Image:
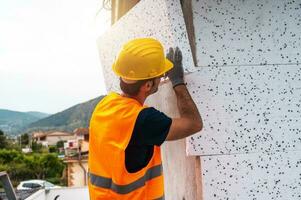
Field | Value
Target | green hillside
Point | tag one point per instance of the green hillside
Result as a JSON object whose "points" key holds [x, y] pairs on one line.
{"points": [[69, 119], [40, 115], [12, 122]]}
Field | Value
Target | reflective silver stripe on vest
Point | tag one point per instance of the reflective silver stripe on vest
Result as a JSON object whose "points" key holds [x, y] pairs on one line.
{"points": [[107, 183]]}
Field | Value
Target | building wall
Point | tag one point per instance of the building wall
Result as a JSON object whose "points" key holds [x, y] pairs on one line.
{"points": [[52, 140], [246, 85], [76, 176], [84, 146], [53, 137]]}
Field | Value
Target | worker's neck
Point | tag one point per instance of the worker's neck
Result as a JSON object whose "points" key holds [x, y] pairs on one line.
{"points": [[140, 97]]}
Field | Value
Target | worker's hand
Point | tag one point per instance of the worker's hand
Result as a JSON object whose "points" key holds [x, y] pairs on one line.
{"points": [[176, 74]]}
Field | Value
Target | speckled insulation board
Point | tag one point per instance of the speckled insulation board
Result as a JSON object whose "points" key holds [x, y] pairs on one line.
{"points": [[250, 147], [160, 19], [249, 32], [247, 109], [268, 176]]}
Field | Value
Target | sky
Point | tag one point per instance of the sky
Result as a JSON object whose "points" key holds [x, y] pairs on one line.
{"points": [[48, 54]]}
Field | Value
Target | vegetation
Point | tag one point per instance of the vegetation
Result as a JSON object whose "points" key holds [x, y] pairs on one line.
{"points": [[37, 165], [60, 144], [31, 166], [24, 140], [3, 142], [38, 148]]}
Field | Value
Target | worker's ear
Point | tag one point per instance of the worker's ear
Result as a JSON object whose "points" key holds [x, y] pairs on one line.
{"points": [[147, 86], [150, 84]]}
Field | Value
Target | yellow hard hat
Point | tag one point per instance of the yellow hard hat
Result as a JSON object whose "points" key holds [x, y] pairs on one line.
{"points": [[141, 59]]}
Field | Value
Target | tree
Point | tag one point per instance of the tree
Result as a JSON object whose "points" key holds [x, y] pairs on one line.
{"points": [[25, 139], [12, 161], [45, 165], [53, 166], [60, 144], [34, 162], [12, 144], [36, 147], [31, 166], [53, 149], [8, 156], [3, 141]]}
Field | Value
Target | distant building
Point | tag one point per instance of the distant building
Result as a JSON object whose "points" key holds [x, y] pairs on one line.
{"points": [[51, 138], [76, 157], [82, 133], [76, 147], [26, 150]]}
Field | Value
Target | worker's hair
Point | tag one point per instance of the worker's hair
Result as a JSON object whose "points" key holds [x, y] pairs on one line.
{"points": [[132, 89]]}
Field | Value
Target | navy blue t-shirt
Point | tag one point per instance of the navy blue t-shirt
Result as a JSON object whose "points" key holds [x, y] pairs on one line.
{"points": [[151, 128]]}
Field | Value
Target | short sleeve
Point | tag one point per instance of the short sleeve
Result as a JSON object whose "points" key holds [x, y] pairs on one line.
{"points": [[151, 127]]}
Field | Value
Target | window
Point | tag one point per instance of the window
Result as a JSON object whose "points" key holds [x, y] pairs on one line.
{"points": [[35, 185], [27, 185], [32, 185], [47, 184]]}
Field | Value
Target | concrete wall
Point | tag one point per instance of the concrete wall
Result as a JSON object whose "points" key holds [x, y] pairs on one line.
{"points": [[247, 86]]}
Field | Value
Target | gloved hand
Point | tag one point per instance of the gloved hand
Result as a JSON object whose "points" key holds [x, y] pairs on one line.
{"points": [[176, 74]]}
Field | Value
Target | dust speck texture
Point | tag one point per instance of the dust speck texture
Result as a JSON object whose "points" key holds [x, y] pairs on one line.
{"points": [[260, 32]]}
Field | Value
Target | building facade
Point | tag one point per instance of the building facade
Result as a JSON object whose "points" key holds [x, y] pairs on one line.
{"points": [[51, 138]]}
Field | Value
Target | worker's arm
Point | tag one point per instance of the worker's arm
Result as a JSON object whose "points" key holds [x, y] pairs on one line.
{"points": [[190, 120]]}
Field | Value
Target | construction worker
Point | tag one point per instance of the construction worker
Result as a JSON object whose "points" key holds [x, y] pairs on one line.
{"points": [[125, 135]]}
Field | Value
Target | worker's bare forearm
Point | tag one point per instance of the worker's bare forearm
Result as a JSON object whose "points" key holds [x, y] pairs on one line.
{"points": [[186, 105]]}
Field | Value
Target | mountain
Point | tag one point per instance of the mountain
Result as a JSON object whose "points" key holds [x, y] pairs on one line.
{"points": [[39, 115], [67, 120], [12, 122]]}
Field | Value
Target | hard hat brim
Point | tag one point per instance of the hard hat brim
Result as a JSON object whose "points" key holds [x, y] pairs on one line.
{"points": [[168, 65]]}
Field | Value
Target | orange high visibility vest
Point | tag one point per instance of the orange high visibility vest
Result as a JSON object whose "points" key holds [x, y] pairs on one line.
{"points": [[111, 128]]}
